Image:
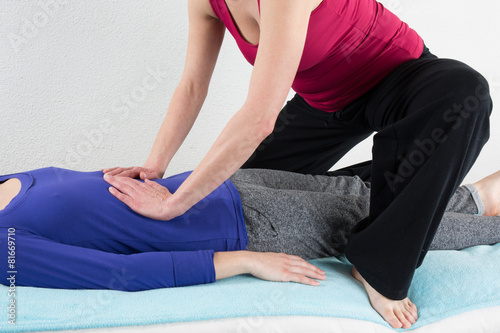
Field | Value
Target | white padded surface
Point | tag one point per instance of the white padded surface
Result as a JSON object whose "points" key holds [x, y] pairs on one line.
{"points": [[486, 320]]}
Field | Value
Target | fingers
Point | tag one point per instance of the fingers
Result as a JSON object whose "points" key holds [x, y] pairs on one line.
{"points": [[109, 169], [112, 171], [136, 189], [122, 197], [310, 270], [303, 279], [303, 272], [131, 172], [147, 199], [149, 174], [158, 187], [127, 190], [117, 171], [125, 185], [302, 266]]}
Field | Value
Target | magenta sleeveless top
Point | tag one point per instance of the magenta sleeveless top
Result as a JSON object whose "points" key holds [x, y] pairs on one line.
{"points": [[351, 45]]}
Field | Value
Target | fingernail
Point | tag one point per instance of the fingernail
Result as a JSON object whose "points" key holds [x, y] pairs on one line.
{"points": [[106, 176]]}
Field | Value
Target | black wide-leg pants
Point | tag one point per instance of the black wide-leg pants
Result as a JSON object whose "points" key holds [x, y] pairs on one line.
{"points": [[431, 116]]}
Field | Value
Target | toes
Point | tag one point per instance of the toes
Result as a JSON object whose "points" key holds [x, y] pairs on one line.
{"points": [[402, 318], [391, 319], [413, 310], [409, 316]]}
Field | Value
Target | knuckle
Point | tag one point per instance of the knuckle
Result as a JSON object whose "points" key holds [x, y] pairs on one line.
{"points": [[285, 272]]}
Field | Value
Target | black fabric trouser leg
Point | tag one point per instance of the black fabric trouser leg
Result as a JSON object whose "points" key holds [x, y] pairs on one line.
{"points": [[309, 141], [432, 119]]}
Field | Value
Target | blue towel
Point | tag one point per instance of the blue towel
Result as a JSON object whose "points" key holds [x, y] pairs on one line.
{"points": [[448, 283]]}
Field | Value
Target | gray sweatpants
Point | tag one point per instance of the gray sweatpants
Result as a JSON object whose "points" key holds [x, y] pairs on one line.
{"points": [[312, 216]]}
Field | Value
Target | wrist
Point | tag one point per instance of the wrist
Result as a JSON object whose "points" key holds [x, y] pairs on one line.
{"points": [[159, 168], [250, 261], [231, 263], [172, 207], [184, 197]]}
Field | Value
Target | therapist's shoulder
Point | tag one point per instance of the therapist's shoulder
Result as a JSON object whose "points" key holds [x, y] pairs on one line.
{"points": [[203, 8]]}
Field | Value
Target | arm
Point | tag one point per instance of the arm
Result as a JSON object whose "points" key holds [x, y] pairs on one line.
{"points": [[267, 266], [48, 264], [45, 263], [283, 29], [205, 39]]}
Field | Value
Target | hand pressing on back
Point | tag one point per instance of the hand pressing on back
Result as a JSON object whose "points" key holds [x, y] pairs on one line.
{"points": [[134, 172], [147, 198]]}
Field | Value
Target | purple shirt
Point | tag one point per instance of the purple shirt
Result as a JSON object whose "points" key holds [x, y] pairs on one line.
{"points": [[70, 232]]}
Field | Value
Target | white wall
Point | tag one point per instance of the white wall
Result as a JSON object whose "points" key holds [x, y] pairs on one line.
{"points": [[77, 89]]}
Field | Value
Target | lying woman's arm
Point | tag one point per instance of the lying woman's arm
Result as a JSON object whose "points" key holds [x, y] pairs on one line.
{"points": [[267, 266], [43, 262]]}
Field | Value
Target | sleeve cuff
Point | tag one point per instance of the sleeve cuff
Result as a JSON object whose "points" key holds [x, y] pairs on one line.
{"points": [[193, 267]]}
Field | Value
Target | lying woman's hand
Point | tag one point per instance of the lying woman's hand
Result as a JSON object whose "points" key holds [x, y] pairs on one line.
{"points": [[283, 267], [267, 266], [134, 172], [147, 198]]}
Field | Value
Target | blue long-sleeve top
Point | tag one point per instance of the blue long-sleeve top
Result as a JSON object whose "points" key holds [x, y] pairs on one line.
{"points": [[70, 232]]}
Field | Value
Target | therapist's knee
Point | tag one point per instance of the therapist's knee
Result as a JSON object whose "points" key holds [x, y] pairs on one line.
{"points": [[473, 107]]}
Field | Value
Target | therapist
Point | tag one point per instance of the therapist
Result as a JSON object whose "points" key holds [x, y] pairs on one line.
{"points": [[356, 69]]}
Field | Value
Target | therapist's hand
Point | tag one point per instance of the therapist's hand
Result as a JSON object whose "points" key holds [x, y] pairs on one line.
{"points": [[134, 172], [149, 199]]}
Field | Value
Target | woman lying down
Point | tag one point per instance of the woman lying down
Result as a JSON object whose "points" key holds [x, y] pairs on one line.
{"points": [[71, 232]]}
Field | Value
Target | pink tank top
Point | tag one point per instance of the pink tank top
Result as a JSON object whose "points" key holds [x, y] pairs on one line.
{"points": [[351, 45]]}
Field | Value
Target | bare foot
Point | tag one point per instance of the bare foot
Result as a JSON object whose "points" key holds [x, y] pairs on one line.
{"points": [[489, 190], [398, 314]]}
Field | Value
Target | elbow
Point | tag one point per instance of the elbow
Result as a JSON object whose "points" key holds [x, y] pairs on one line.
{"points": [[264, 128], [261, 117], [259, 126]]}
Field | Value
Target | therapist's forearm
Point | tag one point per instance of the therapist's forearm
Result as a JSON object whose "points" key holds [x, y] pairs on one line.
{"points": [[237, 142], [183, 110]]}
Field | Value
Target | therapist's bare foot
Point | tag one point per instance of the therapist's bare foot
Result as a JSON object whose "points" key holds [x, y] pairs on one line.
{"points": [[399, 314], [489, 190]]}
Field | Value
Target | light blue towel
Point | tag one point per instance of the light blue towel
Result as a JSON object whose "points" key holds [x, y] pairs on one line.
{"points": [[448, 283]]}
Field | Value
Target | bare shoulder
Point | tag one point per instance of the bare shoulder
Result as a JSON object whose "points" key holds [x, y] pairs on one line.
{"points": [[8, 191], [202, 8]]}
